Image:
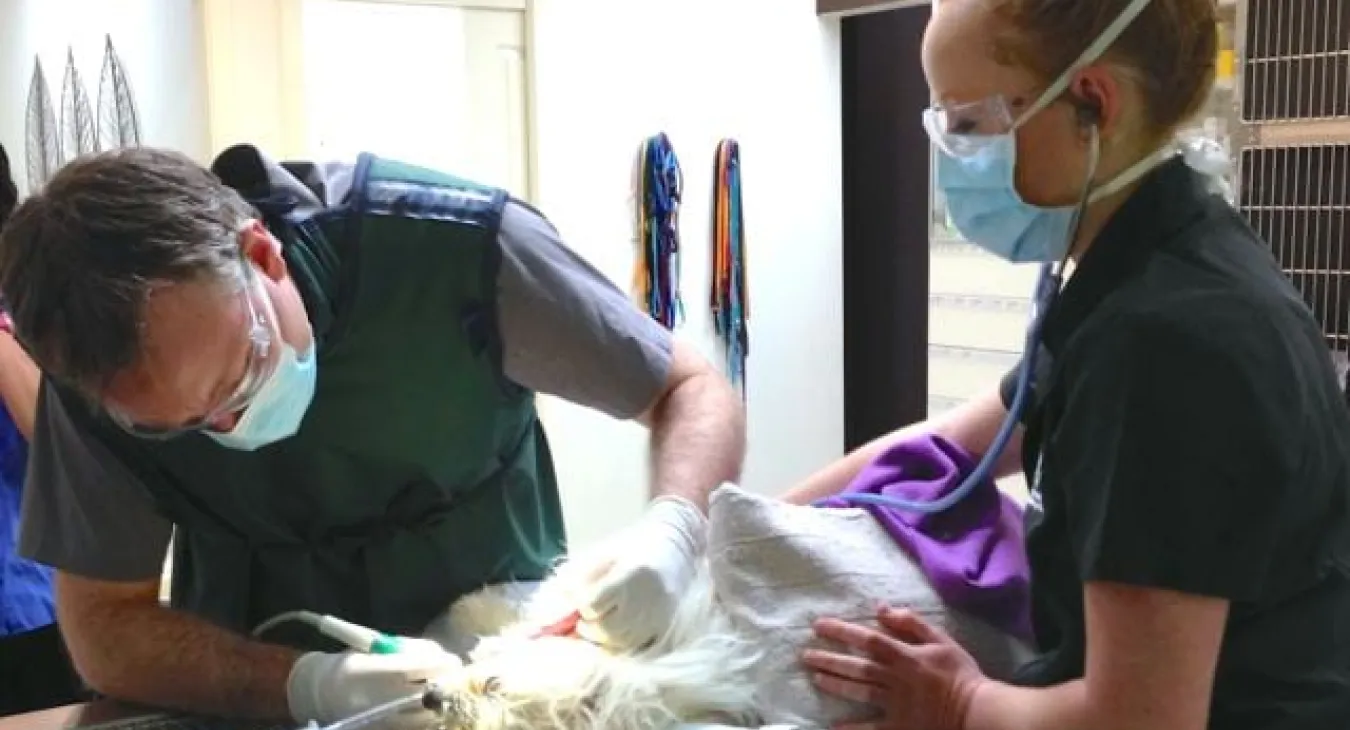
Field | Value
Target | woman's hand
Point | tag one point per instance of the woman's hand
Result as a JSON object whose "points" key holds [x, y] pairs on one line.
{"points": [[916, 675]]}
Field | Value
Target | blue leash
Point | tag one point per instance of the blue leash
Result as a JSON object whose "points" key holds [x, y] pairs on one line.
{"points": [[662, 186], [730, 296]]}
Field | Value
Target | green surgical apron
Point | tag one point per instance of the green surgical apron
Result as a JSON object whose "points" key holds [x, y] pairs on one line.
{"points": [[419, 473]]}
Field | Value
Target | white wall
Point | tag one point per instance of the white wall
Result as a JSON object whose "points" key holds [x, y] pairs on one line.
{"points": [[159, 42], [469, 118], [609, 73]]}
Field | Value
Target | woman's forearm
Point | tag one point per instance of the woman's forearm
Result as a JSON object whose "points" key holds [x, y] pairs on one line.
{"points": [[832, 479], [1069, 706], [19, 380], [972, 426], [999, 706]]}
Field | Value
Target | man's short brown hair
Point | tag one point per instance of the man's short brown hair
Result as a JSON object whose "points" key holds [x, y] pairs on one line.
{"points": [[79, 258]]}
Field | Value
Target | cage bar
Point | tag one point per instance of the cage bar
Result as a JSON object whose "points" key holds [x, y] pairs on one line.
{"points": [[1294, 158]]}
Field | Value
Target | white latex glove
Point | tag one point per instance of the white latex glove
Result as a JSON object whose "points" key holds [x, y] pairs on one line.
{"points": [[636, 585], [326, 687]]}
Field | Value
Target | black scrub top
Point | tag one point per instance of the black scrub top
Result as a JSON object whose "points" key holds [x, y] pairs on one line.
{"points": [[1188, 432]]}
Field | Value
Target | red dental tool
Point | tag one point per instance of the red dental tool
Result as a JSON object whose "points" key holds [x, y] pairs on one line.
{"points": [[565, 626]]}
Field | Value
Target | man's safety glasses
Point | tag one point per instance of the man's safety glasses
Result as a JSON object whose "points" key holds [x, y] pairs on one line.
{"points": [[257, 368]]}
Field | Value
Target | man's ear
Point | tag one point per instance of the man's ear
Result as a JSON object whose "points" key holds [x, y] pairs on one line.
{"points": [[263, 250]]}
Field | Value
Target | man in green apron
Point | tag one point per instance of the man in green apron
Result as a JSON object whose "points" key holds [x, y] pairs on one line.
{"points": [[322, 379]]}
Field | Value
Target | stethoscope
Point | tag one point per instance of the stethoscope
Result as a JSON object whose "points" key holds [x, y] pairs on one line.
{"points": [[1046, 293]]}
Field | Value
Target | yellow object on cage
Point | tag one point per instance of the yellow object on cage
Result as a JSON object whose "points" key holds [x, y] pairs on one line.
{"points": [[1226, 65]]}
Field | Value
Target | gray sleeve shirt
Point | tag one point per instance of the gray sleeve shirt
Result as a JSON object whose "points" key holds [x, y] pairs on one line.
{"points": [[566, 330]]}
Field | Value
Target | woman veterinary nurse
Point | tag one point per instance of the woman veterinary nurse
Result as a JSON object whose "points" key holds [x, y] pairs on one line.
{"points": [[1187, 442]]}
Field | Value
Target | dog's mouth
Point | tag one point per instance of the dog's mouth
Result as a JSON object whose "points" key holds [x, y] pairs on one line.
{"points": [[565, 627]]}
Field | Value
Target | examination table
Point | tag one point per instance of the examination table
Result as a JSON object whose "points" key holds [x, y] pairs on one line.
{"points": [[110, 715]]}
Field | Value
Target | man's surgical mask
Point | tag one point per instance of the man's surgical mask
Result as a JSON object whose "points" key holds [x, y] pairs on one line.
{"points": [[279, 403], [977, 146], [279, 407]]}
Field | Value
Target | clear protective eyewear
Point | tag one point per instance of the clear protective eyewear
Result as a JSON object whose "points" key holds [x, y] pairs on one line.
{"points": [[963, 130], [257, 368]]}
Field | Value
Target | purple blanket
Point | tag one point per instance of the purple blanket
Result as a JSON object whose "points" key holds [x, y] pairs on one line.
{"points": [[973, 553]]}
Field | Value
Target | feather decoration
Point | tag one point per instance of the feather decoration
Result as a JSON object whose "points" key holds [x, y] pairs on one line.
{"points": [[79, 131], [43, 143], [119, 125]]}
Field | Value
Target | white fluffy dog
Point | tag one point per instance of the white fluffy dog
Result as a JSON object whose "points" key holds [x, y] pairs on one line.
{"points": [[697, 672], [730, 657]]}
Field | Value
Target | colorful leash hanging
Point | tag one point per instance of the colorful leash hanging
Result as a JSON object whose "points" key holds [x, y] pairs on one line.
{"points": [[730, 296], [657, 270]]}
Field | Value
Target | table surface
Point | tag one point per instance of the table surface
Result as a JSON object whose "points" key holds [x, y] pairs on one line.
{"points": [[72, 716], [109, 715]]}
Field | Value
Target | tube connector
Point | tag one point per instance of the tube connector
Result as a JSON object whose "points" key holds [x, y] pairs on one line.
{"points": [[358, 637]]}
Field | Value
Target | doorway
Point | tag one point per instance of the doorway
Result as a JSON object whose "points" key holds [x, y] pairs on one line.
{"points": [[886, 173]]}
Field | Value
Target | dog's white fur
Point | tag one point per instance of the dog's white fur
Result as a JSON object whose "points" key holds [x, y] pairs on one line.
{"points": [[697, 672], [729, 657]]}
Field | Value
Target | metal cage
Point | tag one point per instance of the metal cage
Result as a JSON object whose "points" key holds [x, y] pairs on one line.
{"points": [[1293, 138]]}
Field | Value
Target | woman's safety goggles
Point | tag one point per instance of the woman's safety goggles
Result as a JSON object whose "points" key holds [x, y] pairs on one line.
{"points": [[963, 130]]}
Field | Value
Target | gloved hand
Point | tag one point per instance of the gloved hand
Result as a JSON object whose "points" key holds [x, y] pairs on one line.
{"points": [[636, 583], [326, 687]]}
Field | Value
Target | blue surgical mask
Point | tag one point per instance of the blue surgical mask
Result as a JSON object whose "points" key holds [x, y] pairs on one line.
{"points": [[276, 412], [979, 184], [987, 211]]}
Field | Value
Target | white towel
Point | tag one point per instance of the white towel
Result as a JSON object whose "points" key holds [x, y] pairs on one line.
{"points": [[777, 567]]}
